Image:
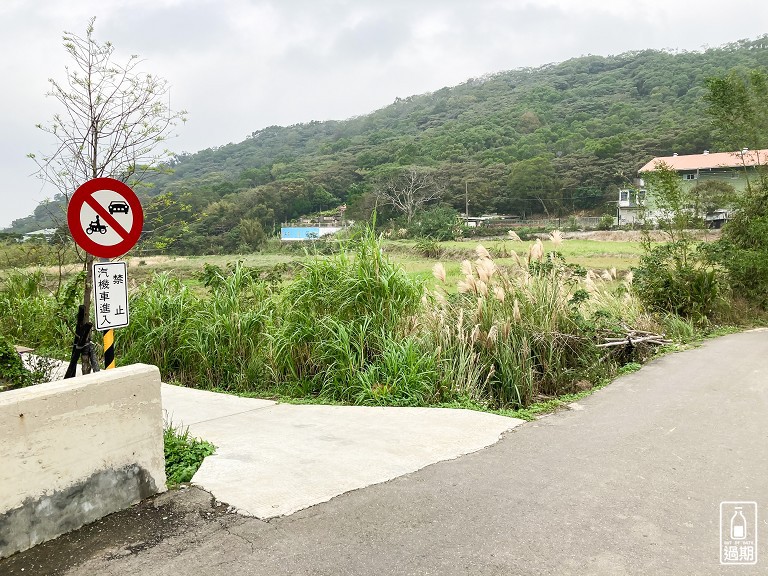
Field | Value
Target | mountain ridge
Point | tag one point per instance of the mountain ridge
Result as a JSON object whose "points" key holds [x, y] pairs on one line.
{"points": [[573, 131]]}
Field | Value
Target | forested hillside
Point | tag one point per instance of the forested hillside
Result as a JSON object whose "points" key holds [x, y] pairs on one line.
{"points": [[560, 137]]}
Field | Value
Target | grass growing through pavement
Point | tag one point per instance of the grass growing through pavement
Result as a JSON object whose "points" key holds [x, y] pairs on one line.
{"points": [[183, 454]]}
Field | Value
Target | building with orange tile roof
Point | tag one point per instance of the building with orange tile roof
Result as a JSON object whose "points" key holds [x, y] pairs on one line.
{"points": [[733, 168]]}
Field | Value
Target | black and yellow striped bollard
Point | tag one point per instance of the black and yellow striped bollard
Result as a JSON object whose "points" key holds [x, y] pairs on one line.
{"points": [[109, 349]]}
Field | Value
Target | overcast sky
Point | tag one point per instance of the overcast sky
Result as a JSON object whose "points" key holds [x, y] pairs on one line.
{"points": [[239, 65]]}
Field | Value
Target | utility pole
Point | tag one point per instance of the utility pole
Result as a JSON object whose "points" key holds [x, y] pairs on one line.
{"points": [[466, 200]]}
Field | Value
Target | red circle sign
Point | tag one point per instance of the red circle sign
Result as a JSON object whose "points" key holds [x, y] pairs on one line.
{"points": [[105, 217]]}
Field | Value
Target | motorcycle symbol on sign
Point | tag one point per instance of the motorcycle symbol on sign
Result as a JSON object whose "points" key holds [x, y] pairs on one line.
{"points": [[96, 226]]}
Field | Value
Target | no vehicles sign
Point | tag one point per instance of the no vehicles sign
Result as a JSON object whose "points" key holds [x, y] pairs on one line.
{"points": [[110, 295], [105, 217]]}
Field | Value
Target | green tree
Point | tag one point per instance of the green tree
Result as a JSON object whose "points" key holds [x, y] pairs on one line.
{"points": [[252, 233], [533, 185], [166, 219], [738, 106], [676, 277], [670, 206], [594, 119], [437, 222], [711, 195], [743, 248]]}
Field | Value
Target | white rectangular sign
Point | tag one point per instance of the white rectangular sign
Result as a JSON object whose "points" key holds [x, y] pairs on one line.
{"points": [[110, 294], [738, 532]]}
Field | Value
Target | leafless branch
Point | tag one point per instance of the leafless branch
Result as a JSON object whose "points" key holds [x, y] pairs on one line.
{"points": [[409, 191]]}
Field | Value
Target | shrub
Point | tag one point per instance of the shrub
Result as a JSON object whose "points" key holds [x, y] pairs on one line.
{"points": [[742, 251], [429, 248], [676, 278], [606, 222], [439, 222], [13, 374]]}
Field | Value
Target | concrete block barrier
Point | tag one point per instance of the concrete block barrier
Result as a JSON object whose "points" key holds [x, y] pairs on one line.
{"points": [[76, 450]]}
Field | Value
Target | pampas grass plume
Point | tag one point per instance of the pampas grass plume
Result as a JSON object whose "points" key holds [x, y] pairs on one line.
{"points": [[482, 252], [438, 271]]}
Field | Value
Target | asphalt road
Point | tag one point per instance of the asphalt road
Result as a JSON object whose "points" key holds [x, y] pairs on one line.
{"points": [[629, 482]]}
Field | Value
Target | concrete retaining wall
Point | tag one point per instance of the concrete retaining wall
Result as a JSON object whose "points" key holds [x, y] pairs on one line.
{"points": [[76, 450]]}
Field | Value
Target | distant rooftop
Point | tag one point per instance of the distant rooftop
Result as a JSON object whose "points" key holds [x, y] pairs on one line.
{"points": [[708, 161], [43, 232]]}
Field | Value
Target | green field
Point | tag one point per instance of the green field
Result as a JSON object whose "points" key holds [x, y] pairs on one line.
{"points": [[597, 255], [592, 254]]}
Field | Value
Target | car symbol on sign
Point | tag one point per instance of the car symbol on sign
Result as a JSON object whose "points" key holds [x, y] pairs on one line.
{"points": [[118, 206]]}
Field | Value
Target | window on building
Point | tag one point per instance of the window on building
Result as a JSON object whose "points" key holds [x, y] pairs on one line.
{"points": [[623, 195], [690, 176], [641, 197]]}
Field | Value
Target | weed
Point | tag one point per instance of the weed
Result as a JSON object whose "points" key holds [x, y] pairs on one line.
{"points": [[679, 329], [629, 368], [677, 278], [183, 454], [31, 315], [428, 248], [355, 327], [215, 341], [513, 333]]}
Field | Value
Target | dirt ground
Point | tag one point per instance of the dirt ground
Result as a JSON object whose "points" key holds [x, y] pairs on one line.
{"points": [[121, 534], [635, 235]]}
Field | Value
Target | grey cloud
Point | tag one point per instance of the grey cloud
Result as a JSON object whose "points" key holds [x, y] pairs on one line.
{"points": [[197, 28], [377, 39], [318, 59]]}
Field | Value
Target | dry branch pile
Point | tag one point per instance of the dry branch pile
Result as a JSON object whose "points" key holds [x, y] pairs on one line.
{"points": [[633, 338]]}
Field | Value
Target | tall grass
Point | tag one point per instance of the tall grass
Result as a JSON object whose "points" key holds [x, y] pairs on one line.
{"points": [[162, 311], [213, 341], [227, 340], [353, 327], [514, 334], [341, 320]]}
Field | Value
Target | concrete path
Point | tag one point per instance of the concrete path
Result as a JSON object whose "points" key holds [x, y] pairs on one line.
{"points": [[274, 459], [631, 484], [55, 369]]}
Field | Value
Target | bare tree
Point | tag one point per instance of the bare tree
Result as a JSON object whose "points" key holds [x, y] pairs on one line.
{"points": [[115, 118], [408, 190]]}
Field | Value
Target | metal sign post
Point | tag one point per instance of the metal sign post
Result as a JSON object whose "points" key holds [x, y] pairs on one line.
{"points": [[110, 296], [105, 218]]}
